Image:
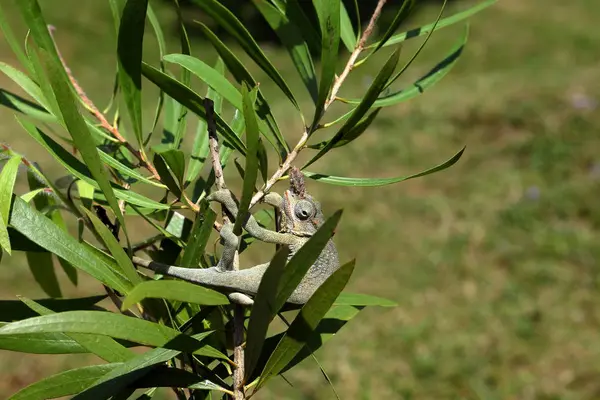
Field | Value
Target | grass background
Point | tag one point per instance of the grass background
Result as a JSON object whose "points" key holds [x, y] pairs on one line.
{"points": [[493, 262]]}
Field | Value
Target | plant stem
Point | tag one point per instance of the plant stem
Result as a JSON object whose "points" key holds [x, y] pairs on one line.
{"points": [[238, 310], [291, 157], [112, 129]]}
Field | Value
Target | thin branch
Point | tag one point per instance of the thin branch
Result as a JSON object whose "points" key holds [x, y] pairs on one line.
{"points": [[291, 157], [238, 310], [89, 104]]}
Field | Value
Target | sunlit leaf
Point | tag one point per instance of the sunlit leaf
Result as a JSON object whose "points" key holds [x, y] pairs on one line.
{"points": [[198, 238], [425, 82], [200, 145], [305, 323], [115, 249], [8, 176], [362, 300], [110, 324], [126, 373], [353, 133], [12, 310], [425, 29], [291, 37], [328, 12], [366, 103], [263, 309], [192, 101], [241, 74], [229, 22], [43, 232], [174, 290], [78, 169], [346, 30], [251, 167], [64, 383], [399, 18], [103, 346], [366, 182], [129, 50]]}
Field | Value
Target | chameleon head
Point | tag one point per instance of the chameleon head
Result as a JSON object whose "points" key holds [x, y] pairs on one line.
{"points": [[302, 215]]}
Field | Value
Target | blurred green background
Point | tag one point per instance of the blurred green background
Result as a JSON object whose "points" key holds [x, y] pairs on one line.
{"points": [[493, 262]]}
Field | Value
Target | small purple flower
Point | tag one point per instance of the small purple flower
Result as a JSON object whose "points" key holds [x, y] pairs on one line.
{"points": [[581, 101], [533, 193]]}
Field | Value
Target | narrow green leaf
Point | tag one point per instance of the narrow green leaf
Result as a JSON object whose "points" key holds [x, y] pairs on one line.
{"points": [[175, 159], [41, 343], [129, 49], [346, 30], [353, 133], [368, 182], [305, 322], [43, 203], [399, 18], [200, 145], [165, 175], [198, 238], [110, 324], [25, 82], [251, 168], [174, 290], [162, 49], [102, 346], [241, 75], [167, 234], [304, 258], [362, 300], [444, 22], [19, 104], [8, 176], [10, 38], [43, 232], [291, 37], [62, 91], [328, 12], [370, 97], [13, 310], [263, 310], [79, 132], [163, 376], [64, 383], [27, 197], [192, 101], [211, 76], [125, 374], [126, 171], [294, 12], [328, 327], [425, 82], [231, 24], [215, 80], [115, 249], [77, 168]]}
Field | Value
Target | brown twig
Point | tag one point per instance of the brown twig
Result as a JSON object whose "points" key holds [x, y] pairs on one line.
{"points": [[238, 310], [291, 157], [89, 104]]}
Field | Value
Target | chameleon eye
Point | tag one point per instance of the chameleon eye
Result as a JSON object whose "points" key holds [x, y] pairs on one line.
{"points": [[304, 210]]}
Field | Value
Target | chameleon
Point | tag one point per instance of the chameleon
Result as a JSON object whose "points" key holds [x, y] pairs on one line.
{"points": [[300, 217]]}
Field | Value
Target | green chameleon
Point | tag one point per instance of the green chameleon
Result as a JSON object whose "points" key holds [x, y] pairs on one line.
{"points": [[300, 217]]}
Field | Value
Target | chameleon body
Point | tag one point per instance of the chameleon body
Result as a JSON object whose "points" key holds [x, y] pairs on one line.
{"points": [[300, 217]]}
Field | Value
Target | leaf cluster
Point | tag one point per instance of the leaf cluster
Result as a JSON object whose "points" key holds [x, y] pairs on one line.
{"points": [[123, 166]]}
